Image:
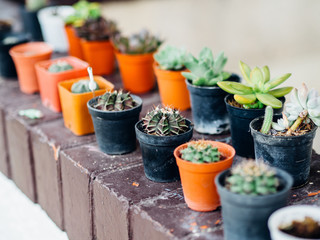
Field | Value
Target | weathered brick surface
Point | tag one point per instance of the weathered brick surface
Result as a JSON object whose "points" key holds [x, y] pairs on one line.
{"points": [[48, 140]]}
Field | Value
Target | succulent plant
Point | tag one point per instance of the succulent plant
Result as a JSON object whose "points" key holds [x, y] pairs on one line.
{"points": [[34, 5], [115, 101], [59, 66], [267, 121], [200, 152], [171, 58], [206, 71], [138, 43], [251, 178], [164, 121], [282, 124], [259, 88], [82, 86]]}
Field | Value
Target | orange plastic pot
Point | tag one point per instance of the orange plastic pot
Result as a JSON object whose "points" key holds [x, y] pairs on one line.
{"points": [[100, 56], [136, 72], [172, 88], [25, 56], [74, 105], [48, 82], [74, 42], [199, 189]]}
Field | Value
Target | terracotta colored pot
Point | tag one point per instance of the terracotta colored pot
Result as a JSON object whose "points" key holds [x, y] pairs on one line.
{"points": [[100, 56], [74, 42], [136, 72], [74, 105], [25, 56], [199, 189], [48, 82], [172, 88]]}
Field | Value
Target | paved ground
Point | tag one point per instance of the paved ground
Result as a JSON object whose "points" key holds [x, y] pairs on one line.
{"points": [[16, 222]]}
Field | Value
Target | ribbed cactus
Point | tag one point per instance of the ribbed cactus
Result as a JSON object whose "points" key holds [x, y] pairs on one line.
{"points": [[164, 121], [115, 101], [267, 121], [251, 178], [59, 66], [82, 86], [200, 152]]}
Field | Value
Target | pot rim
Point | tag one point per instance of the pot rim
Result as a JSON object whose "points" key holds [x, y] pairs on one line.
{"points": [[117, 52], [156, 66], [15, 53], [208, 88]]}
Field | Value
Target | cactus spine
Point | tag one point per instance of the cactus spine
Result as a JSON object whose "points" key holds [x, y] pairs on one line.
{"points": [[267, 121]]}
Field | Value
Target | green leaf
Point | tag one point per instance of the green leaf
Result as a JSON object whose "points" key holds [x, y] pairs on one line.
{"points": [[206, 55], [245, 71], [280, 92], [189, 76], [235, 88], [268, 99], [278, 81], [219, 63], [256, 77], [266, 74], [199, 82], [245, 99], [225, 75], [214, 81]]}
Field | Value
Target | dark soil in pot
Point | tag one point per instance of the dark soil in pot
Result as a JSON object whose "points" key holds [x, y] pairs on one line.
{"points": [[240, 119], [290, 153], [245, 217], [157, 153], [115, 130], [209, 112], [31, 23]]}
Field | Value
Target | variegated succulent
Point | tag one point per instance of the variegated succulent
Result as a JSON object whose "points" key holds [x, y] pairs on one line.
{"points": [[259, 88]]}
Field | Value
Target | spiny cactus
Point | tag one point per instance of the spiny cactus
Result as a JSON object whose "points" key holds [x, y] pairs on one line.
{"points": [[206, 71], [200, 152], [138, 43], [258, 88], [164, 121], [251, 178], [82, 86], [171, 58], [59, 66], [115, 101]]}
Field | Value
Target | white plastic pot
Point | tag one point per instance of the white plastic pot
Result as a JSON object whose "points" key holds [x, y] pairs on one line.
{"points": [[52, 26], [286, 215]]}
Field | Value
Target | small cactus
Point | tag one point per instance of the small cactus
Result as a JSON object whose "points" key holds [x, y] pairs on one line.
{"points": [[200, 152], [115, 101], [251, 178], [164, 121], [267, 121], [59, 66], [82, 86]]}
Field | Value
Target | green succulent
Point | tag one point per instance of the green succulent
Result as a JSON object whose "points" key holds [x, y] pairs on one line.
{"points": [[251, 178], [115, 101], [138, 43], [82, 86], [171, 58], [259, 88], [200, 152], [34, 5], [164, 121], [59, 66], [206, 71]]}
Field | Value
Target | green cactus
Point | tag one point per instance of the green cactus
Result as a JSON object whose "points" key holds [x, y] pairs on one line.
{"points": [[267, 121], [251, 178], [171, 58], [138, 43], [164, 121], [82, 86], [200, 152], [206, 71], [259, 88], [59, 66], [115, 101]]}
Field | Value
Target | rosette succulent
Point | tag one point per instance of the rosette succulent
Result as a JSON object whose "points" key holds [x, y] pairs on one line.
{"points": [[59, 66], [82, 86], [200, 152], [259, 91], [115, 101], [206, 71], [171, 58]]}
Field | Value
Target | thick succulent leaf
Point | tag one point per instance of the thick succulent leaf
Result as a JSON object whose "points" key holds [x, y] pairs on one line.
{"points": [[256, 77], [278, 81], [280, 92], [269, 100], [313, 94], [235, 88], [294, 99], [225, 75], [313, 103], [199, 82], [219, 62], [245, 71], [266, 74], [213, 81], [206, 55], [209, 74], [245, 99], [189, 76], [303, 95]]}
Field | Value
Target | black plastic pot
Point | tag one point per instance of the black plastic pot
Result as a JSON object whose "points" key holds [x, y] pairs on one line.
{"points": [[157, 153], [5, 27], [209, 112], [245, 217], [240, 119], [31, 23], [115, 130], [292, 153], [7, 67]]}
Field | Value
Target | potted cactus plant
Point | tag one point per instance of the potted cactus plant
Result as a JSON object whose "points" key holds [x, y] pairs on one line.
{"points": [[51, 72], [135, 58], [250, 192], [248, 102], [208, 109], [159, 133], [199, 163], [74, 95], [287, 143], [114, 116], [169, 63]]}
